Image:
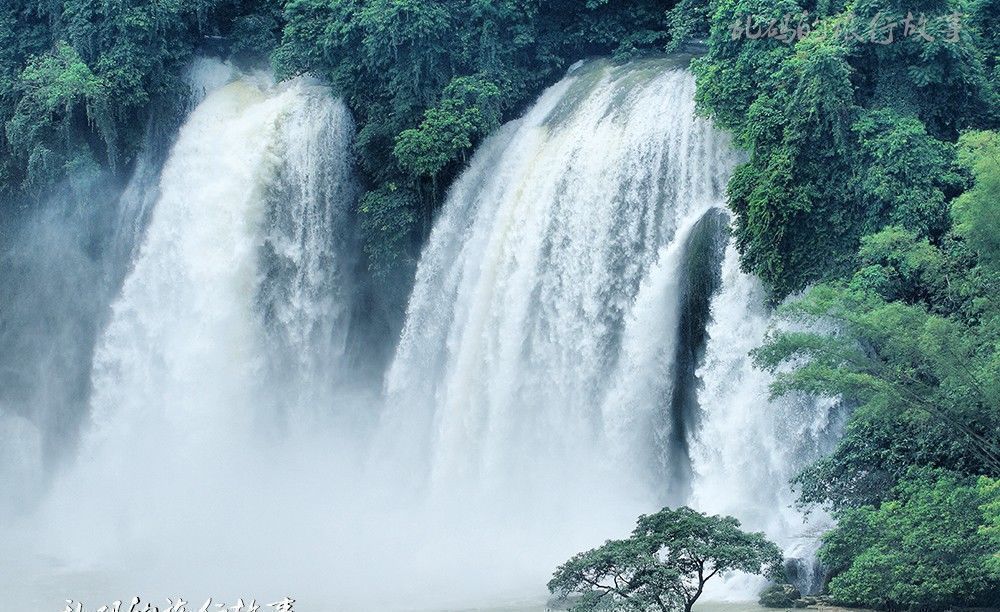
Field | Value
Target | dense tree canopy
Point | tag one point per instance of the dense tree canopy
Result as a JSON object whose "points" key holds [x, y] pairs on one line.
{"points": [[869, 187], [79, 78], [909, 339], [426, 81], [915, 349], [845, 135], [926, 547]]}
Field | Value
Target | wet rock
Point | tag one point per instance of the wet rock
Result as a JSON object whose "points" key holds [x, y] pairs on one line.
{"points": [[781, 596]]}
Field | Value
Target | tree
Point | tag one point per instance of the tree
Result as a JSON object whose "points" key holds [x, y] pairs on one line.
{"points": [[927, 547], [385, 216], [910, 341], [427, 81], [977, 211], [57, 88], [844, 137], [80, 79], [989, 493], [469, 110], [665, 564], [893, 358]]}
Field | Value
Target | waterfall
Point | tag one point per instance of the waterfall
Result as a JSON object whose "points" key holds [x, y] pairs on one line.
{"points": [[563, 231], [65, 258], [241, 202], [748, 446], [574, 354], [576, 345], [140, 195], [228, 329]]}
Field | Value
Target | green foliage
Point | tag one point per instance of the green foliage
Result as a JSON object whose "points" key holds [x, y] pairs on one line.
{"points": [[789, 200], [254, 34], [427, 81], [989, 493], [926, 547], [914, 348], [780, 595], [665, 564], [977, 212], [907, 173], [907, 370], [469, 110], [689, 19], [916, 334], [386, 217], [56, 89], [845, 136], [78, 78], [911, 340]]}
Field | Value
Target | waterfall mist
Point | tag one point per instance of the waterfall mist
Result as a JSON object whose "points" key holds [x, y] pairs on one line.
{"points": [[49, 318], [574, 354]]}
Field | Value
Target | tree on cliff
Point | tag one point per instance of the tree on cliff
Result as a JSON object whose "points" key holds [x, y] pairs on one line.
{"points": [[664, 565]]}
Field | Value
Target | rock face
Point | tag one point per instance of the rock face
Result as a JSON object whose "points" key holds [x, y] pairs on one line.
{"points": [[807, 574], [780, 596], [700, 278]]}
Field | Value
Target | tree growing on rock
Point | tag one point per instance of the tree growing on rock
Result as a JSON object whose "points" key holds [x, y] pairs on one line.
{"points": [[665, 563]]}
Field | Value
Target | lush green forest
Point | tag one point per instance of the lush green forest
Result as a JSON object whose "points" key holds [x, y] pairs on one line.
{"points": [[873, 180], [869, 204]]}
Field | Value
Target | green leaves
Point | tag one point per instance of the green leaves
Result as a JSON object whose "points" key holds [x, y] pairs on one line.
{"points": [[469, 110], [59, 79], [427, 81], [907, 173], [926, 547], [386, 219], [891, 356], [844, 137], [911, 341], [665, 564], [977, 211], [989, 495], [695, 542], [57, 89], [78, 78], [621, 573]]}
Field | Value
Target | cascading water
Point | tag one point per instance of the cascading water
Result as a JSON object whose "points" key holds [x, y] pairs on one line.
{"points": [[565, 366], [242, 201], [66, 257], [748, 446], [142, 191], [228, 328], [518, 321], [574, 354], [539, 334]]}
